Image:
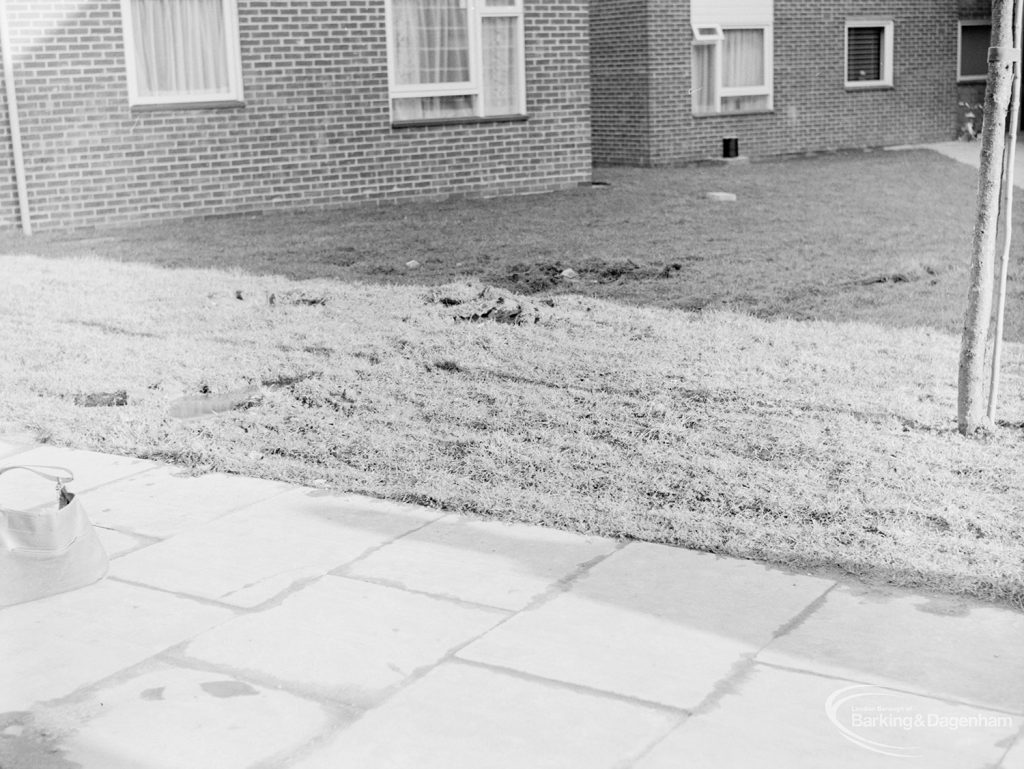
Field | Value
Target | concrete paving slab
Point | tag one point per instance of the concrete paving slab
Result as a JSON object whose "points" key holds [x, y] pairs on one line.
{"points": [[1015, 757], [170, 717], [162, 502], [612, 648], [775, 718], [253, 554], [939, 645], [117, 543], [485, 562], [463, 716], [53, 646], [90, 468], [340, 638], [11, 447], [969, 153], [657, 623], [732, 597]]}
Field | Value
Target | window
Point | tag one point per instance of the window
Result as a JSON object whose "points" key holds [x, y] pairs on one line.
{"points": [[972, 52], [733, 72], [182, 52], [707, 33], [868, 53], [451, 59]]}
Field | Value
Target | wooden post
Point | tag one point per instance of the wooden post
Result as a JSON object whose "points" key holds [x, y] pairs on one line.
{"points": [[971, 378], [1010, 155]]}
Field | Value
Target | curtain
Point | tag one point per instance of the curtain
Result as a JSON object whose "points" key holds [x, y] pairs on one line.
{"points": [[501, 65], [743, 58], [704, 98], [743, 67], [431, 45], [432, 107], [180, 47], [744, 103], [431, 41]]}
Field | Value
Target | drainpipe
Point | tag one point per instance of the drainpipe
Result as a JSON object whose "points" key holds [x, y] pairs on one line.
{"points": [[12, 116]]}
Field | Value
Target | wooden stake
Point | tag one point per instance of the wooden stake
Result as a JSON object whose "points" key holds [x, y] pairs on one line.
{"points": [[971, 374], [1008, 170]]}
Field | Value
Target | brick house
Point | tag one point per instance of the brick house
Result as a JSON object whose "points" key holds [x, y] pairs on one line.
{"points": [[672, 78], [136, 110]]}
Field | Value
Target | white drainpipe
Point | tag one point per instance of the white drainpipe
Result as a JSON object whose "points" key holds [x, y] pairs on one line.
{"points": [[12, 116]]}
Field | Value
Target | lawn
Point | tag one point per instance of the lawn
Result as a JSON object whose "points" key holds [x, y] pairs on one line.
{"points": [[880, 237], [804, 415]]}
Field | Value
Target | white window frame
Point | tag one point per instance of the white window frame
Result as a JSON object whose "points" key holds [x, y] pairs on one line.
{"points": [[961, 78], [477, 11], [721, 92], [707, 33], [888, 27], [233, 55]]}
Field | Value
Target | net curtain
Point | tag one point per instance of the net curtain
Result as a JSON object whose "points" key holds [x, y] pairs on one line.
{"points": [[431, 41], [180, 47]]}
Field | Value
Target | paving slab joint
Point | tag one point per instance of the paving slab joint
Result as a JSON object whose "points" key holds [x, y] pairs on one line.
{"points": [[341, 712], [237, 610], [145, 540], [894, 686], [342, 571], [800, 617], [728, 684], [276, 600], [590, 691], [565, 583], [1016, 743]]}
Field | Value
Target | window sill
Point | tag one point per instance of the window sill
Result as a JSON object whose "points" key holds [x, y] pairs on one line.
{"points": [[459, 121], [226, 104], [852, 87], [740, 113]]}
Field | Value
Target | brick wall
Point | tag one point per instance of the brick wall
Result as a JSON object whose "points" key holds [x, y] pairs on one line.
{"points": [[974, 8], [812, 109], [314, 132], [620, 80]]}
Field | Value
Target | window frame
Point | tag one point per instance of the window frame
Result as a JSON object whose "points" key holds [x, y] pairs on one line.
{"points": [[233, 52], [724, 92], [477, 11], [960, 77], [707, 33], [888, 48]]}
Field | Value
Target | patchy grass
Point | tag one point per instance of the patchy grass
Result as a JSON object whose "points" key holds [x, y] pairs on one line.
{"points": [[879, 237], [808, 444]]}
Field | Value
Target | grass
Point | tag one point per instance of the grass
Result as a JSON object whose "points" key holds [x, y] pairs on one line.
{"points": [[794, 431], [879, 237]]}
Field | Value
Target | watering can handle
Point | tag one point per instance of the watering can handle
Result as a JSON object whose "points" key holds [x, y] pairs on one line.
{"points": [[62, 476]]}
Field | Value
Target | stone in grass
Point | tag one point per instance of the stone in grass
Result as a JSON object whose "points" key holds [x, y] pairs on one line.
{"points": [[412, 264], [214, 403], [89, 400], [569, 274], [721, 197]]}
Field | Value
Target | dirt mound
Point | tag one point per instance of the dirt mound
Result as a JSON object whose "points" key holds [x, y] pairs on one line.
{"points": [[477, 302]]}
